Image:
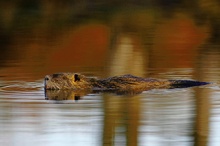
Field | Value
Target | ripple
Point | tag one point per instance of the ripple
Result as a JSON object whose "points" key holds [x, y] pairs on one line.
{"points": [[16, 86], [21, 91]]}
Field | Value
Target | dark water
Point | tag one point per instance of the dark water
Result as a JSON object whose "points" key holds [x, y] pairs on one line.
{"points": [[150, 39]]}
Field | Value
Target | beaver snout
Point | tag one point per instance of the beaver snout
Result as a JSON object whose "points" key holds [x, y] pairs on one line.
{"points": [[46, 79]]}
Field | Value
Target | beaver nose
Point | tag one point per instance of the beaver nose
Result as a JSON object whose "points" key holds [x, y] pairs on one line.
{"points": [[45, 81]]}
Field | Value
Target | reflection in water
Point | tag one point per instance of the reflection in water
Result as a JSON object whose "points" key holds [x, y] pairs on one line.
{"points": [[128, 56], [168, 119], [161, 39], [202, 124], [47, 123], [63, 95], [206, 69], [121, 120]]}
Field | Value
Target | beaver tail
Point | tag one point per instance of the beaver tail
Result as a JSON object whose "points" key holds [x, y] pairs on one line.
{"points": [[186, 83]]}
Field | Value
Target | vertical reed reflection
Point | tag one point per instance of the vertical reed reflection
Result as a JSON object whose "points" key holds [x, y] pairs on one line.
{"points": [[121, 120], [128, 55], [202, 119], [207, 66]]}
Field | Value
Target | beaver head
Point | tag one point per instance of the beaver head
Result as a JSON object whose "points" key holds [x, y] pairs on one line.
{"points": [[72, 81]]}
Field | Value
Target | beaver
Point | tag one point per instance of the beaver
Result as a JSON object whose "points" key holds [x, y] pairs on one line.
{"points": [[120, 84]]}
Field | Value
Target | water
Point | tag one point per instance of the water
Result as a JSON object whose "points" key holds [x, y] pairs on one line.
{"points": [[102, 39]]}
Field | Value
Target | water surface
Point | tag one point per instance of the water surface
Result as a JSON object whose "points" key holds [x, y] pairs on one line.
{"points": [[172, 41]]}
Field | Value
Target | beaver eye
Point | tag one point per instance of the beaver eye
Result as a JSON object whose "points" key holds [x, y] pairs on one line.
{"points": [[46, 78]]}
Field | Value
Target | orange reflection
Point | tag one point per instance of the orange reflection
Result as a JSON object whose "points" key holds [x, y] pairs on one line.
{"points": [[177, 40], [85, 46]]}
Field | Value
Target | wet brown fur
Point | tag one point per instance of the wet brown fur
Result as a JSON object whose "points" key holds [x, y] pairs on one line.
{"points": [[122, 83]]}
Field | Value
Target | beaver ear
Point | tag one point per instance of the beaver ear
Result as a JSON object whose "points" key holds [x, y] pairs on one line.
{"points": [[76, 76]]}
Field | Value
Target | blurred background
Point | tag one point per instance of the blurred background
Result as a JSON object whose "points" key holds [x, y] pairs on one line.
{"points": [[168, 39]]}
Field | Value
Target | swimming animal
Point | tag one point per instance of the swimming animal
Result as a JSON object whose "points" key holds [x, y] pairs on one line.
{"points": [[119, 84]]}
